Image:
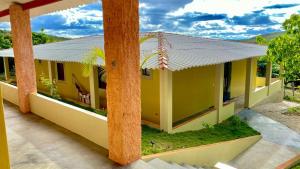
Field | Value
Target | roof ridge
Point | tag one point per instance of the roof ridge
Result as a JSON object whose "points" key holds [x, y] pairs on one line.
{"points": [[163, 57]]}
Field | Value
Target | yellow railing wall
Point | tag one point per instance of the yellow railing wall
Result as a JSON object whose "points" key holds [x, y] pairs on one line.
{"points": [[260, 81], [84, 123], [4, 157], [207, 155], [10, 93], [275, 86], [193, 91], [198, 123], [150, 96], [226, 111]]}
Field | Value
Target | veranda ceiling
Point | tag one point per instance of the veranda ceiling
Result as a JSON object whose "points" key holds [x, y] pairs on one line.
{"points": [[39, 7]]}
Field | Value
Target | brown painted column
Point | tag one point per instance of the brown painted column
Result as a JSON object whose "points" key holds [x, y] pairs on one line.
{"points": [[121, 36], [23, 52]]}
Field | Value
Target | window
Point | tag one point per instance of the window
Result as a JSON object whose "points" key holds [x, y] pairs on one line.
{"points": [[60, 71], [146, 72]]}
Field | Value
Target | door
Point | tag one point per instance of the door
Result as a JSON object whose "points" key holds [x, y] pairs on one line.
{"points": [[227, 81]]}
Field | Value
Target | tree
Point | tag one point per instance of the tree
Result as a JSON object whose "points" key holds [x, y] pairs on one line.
{"points": [[5, 40], [285, 49]]}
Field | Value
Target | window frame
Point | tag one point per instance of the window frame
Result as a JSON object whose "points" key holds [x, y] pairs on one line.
{"points": [[57, 72]]}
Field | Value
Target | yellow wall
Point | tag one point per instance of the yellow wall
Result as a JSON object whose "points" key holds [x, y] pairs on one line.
{"points": [[82, 122], [150, 87], [198, 123], [41, 67], [193, 91], [238, 78], [150, 96], [260, 81], [67, 87], [10, 93]]}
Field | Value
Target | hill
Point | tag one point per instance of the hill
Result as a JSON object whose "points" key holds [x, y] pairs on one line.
{"points": [[37, 38], [267, 36]]}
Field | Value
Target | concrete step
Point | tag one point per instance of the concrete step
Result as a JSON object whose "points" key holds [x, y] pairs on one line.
{"points": [[187, 166], [140, 164], [220, 165], [177, 166], [160, 164]]}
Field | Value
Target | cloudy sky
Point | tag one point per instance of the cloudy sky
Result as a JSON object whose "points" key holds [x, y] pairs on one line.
{"points": [[226, 19]]}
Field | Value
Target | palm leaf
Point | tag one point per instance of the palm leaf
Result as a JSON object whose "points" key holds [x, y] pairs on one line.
{"points": [[147, 37], [148, 57], [91, 59]]}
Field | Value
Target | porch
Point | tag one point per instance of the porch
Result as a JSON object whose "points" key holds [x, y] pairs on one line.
{"points": [[35, 142]]}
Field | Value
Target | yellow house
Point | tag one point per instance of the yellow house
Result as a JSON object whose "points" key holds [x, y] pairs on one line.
{"points": [[194, 82]]}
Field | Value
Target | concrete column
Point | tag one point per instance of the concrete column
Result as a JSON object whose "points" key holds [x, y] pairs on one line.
{"points": [[50, 71], [249, 81], [166, 100], [94, 88], [122, 50], [6, 68], [4, 157], [268, 75], [219, 87], [23, 54]]}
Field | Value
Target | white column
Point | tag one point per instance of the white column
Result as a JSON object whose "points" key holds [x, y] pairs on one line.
{"points": [[219, 87], [249, 82], [166, 100], [94, 92], [6, 68]]}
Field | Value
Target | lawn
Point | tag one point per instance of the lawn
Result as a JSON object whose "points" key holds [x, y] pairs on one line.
{"points": [[290, 97], [155, 141], [293, 111], [297, 166]]}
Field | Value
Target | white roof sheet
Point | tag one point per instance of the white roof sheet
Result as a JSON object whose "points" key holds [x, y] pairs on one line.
{"points": [[183, 52]]}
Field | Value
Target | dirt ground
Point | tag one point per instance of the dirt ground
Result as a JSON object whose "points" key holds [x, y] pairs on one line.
{"points": [[276, 112]]}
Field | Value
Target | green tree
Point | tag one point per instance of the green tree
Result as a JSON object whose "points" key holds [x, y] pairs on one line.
{"points": [[285, 49]]}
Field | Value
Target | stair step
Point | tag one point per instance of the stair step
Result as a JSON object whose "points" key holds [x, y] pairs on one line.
{"points": [[220, 165], [188, 166], [160, 164], [140, 164], [177, 166]]}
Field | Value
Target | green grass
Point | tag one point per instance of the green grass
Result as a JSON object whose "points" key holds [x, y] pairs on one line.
{"points": [[99, 112], [293, 111], [297, 166], [155, 141]]}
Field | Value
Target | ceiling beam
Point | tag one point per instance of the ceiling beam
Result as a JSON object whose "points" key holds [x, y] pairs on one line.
{"points": [[37, 3], [4, 13], [30, 5]]}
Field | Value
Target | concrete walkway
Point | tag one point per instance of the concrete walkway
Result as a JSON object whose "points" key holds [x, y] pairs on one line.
{"points": [[36, 143], [279, 143]]}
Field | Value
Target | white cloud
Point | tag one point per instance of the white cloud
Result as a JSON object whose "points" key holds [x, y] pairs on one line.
{"points": [[229, 7]]}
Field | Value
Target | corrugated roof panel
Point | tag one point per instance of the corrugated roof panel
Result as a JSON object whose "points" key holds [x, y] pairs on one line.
{"points": [[183, 51]]}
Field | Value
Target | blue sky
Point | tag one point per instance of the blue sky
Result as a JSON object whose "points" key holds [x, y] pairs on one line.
{"points": [[226, 19]]}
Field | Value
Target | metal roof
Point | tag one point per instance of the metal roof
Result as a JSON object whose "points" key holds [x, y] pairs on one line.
{"points": [[182, 51], [54, 6]]}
